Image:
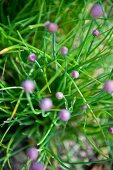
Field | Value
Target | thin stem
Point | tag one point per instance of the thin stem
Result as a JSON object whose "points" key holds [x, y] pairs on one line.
{"points": [[44, 114], [39, 66], [31, 105], [65, 64], [54, 50], [49, 130], [89, 47], [16, 106]]}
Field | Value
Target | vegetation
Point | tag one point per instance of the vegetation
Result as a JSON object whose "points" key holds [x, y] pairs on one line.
{"points": [[24, 123]]}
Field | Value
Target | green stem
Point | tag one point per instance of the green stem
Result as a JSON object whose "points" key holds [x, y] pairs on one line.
{"points": [[31, 105], [39, 66], [54, 50], [49, 130]]}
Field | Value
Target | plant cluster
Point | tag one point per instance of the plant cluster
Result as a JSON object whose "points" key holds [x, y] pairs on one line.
{"points": [[56, 83]]}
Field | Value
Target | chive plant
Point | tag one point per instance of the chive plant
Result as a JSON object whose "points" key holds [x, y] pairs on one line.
{"points": [[55, 103]]}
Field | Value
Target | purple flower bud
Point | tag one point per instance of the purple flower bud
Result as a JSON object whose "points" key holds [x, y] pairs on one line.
{"points": [[95, 33], [32, 153], [64, 50], [84, 107], [108, 86], [46, 104], [36, 166], [75, 74], [59, 95], [52, 27], [46, 24], [96, 11], [32, 57], [64, 115], [28, 85], [110, 130]]}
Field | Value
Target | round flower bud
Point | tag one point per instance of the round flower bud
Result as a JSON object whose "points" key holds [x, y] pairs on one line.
{"points": [[64, 50], [96, 11], [108, 86], [84, 107], [59, 95], [64, 115], [95, 33], [46, 24], [46, 104], [75, 74], [36, 166], [32, 57], [52, 27], [32, 153], [28, 85], [110, 130]]}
